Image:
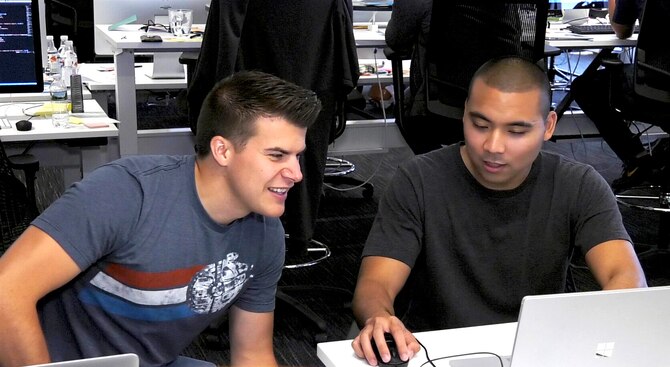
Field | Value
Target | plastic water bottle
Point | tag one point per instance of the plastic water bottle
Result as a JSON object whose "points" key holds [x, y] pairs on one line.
{"points": [[59, 105], [61, 45], [53, 58], [70, 63]]}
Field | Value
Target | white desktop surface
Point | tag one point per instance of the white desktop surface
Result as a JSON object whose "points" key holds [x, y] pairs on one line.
{"points": [[102, 77], [32, 97], [368, 38], [43, 129], [498, 338], [565, 39], [127, 37], [559, 35]]}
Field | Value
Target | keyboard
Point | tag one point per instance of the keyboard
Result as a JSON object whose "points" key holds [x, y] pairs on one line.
{"points": [[596, 29]]}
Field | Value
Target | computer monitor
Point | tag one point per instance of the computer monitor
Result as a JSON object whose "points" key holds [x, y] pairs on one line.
{"points": [[113, 11], [20, 47]]}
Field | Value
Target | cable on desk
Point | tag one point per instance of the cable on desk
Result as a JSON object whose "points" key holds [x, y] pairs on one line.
{"points": [[429, 360]]}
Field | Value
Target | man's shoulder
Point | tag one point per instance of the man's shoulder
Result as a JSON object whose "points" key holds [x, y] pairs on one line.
{"points": [[441, 156], [140, 165], [567, 172], [559, 162]]}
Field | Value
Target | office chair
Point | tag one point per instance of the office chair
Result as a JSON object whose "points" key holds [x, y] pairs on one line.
{"points": [[649, 102], [462, 37], [17, 202], [338, 169], [307, 42]]}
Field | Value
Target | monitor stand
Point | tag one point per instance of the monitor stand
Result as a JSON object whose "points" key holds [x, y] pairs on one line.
{"points": [[167, 66]]}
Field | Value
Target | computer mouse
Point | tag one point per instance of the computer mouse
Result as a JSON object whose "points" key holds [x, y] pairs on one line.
{"points": [[395, 358], [24, 125]]}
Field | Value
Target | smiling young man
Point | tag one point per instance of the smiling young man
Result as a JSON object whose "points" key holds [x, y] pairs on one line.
{"points": [[147, 251], [470, 229]]}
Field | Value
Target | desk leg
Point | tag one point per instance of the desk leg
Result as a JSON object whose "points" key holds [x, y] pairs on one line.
{"points": [[126, 108], [565, 103]]}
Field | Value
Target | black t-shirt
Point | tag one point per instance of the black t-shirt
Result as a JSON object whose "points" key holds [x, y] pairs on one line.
{"points": [[476, 252]]}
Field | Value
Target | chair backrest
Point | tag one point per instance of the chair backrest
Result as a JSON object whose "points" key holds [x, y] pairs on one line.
{"points": [[466, 34], [307, 42], [15, 213], [652, 59]]}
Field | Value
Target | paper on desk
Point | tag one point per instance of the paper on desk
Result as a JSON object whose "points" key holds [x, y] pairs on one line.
{"points": [[93, 121], [46, 109]]}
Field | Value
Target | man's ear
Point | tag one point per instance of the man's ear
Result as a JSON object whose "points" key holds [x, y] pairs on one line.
{"points": [[550, 125], [221, 150]]}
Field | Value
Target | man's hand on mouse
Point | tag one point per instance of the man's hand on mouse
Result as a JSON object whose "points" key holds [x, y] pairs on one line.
{"points": [[374, 329]]}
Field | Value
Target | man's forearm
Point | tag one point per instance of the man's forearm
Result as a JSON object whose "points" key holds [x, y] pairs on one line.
{"points": [[371, 301], [22, 337], [255, 361]]}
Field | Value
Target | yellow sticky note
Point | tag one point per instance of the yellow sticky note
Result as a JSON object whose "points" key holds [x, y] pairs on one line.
{"points": [[46, 109]]}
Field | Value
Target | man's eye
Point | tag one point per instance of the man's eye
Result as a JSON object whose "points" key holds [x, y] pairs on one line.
{"points": [[276, 155], [518, 132]]}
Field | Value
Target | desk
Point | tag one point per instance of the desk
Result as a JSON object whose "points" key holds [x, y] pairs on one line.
{"points": [[102, 77], [32, 97], [498, 338], [76, 162], [125, 42], [372, 39]]}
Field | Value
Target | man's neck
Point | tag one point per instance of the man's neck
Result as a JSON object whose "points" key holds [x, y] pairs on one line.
{"points": [[213, 192]]}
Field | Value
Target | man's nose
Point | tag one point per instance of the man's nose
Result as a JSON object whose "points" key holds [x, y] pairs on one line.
{"points": [[293, 171], [495, 142]]}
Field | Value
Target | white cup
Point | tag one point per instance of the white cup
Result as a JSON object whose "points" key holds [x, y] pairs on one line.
{"points": [[181, 21]]}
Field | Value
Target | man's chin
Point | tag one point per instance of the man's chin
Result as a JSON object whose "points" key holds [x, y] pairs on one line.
{"points": [[274, 212]]}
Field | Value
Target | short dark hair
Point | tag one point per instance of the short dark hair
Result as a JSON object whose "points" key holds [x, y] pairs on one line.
{"points": [[515, 74], [233, 106]]}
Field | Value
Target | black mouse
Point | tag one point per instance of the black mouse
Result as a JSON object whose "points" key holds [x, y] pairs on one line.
{"points": [[24, 125], [395, 358]]}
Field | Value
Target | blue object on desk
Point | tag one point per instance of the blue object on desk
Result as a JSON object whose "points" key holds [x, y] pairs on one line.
{"points": [[130, 19]]}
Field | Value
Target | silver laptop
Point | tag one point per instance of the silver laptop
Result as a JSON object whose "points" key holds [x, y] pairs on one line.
{"points": [[119, 360], [620, 328]]}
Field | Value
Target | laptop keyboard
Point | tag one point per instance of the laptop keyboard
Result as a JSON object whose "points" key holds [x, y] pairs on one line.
{"points": [[596, 29]]}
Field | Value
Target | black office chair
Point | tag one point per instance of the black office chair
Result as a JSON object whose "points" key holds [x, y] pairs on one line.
{"points": [[462, 37], [17, 203], [307, 42], [649, 102]]}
